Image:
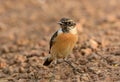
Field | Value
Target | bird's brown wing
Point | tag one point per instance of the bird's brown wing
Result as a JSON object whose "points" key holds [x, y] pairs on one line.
{"points": [[52, 40]]}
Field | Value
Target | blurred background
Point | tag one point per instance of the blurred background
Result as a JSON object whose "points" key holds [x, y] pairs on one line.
{"points": [[27, 25]]}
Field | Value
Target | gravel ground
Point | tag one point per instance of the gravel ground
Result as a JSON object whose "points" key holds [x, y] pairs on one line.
{"points": [[27, 25]]}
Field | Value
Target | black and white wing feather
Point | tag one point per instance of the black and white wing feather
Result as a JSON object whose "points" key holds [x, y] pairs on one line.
{"points": [[52, 40]]}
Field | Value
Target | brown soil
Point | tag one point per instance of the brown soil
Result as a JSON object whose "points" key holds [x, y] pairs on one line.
{"points": [[27, 25]]}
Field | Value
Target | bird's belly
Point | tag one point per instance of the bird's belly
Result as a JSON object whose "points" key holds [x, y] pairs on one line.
{"points": [[61, 51], [63, 46]]}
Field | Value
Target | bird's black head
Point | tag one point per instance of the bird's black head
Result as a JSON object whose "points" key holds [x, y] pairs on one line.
{"points": [[66, 24]]}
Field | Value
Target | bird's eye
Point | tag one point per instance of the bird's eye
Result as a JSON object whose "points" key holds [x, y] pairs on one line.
{"points": [[69, 23]]}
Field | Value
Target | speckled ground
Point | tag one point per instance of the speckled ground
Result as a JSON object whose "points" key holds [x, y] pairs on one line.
{"points": [[27, 25]]}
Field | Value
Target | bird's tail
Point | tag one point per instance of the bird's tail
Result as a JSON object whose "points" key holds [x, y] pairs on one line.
{"points": [[47, 61]]}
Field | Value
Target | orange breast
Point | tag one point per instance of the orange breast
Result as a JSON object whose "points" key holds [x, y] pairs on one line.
{"points": [[63, 45]]}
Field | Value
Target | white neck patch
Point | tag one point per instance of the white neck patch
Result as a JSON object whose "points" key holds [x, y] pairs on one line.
{"points": [[74, 30], [60, 31]]}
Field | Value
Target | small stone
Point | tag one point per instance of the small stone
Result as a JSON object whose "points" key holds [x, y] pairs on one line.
{"points": [[21, 70], [42, 43], [86, 51], [93, 57], [5, 70], [111, 18], [21, 80], [93, 44], [3, 64], [20, 58], [5, 49], [2, 75]]}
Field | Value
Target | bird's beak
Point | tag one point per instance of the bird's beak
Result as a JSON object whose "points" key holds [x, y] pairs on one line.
{"points": [[60, 23]]}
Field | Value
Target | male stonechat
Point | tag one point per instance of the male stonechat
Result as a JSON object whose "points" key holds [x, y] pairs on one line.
{"points": [[63, 41]]}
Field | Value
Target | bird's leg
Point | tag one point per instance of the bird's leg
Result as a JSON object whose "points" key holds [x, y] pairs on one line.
{"points": [[74, 69], [69, 63]]}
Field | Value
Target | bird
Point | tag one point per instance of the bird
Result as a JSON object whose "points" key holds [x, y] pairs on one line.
{"points": [[63, 41]]}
